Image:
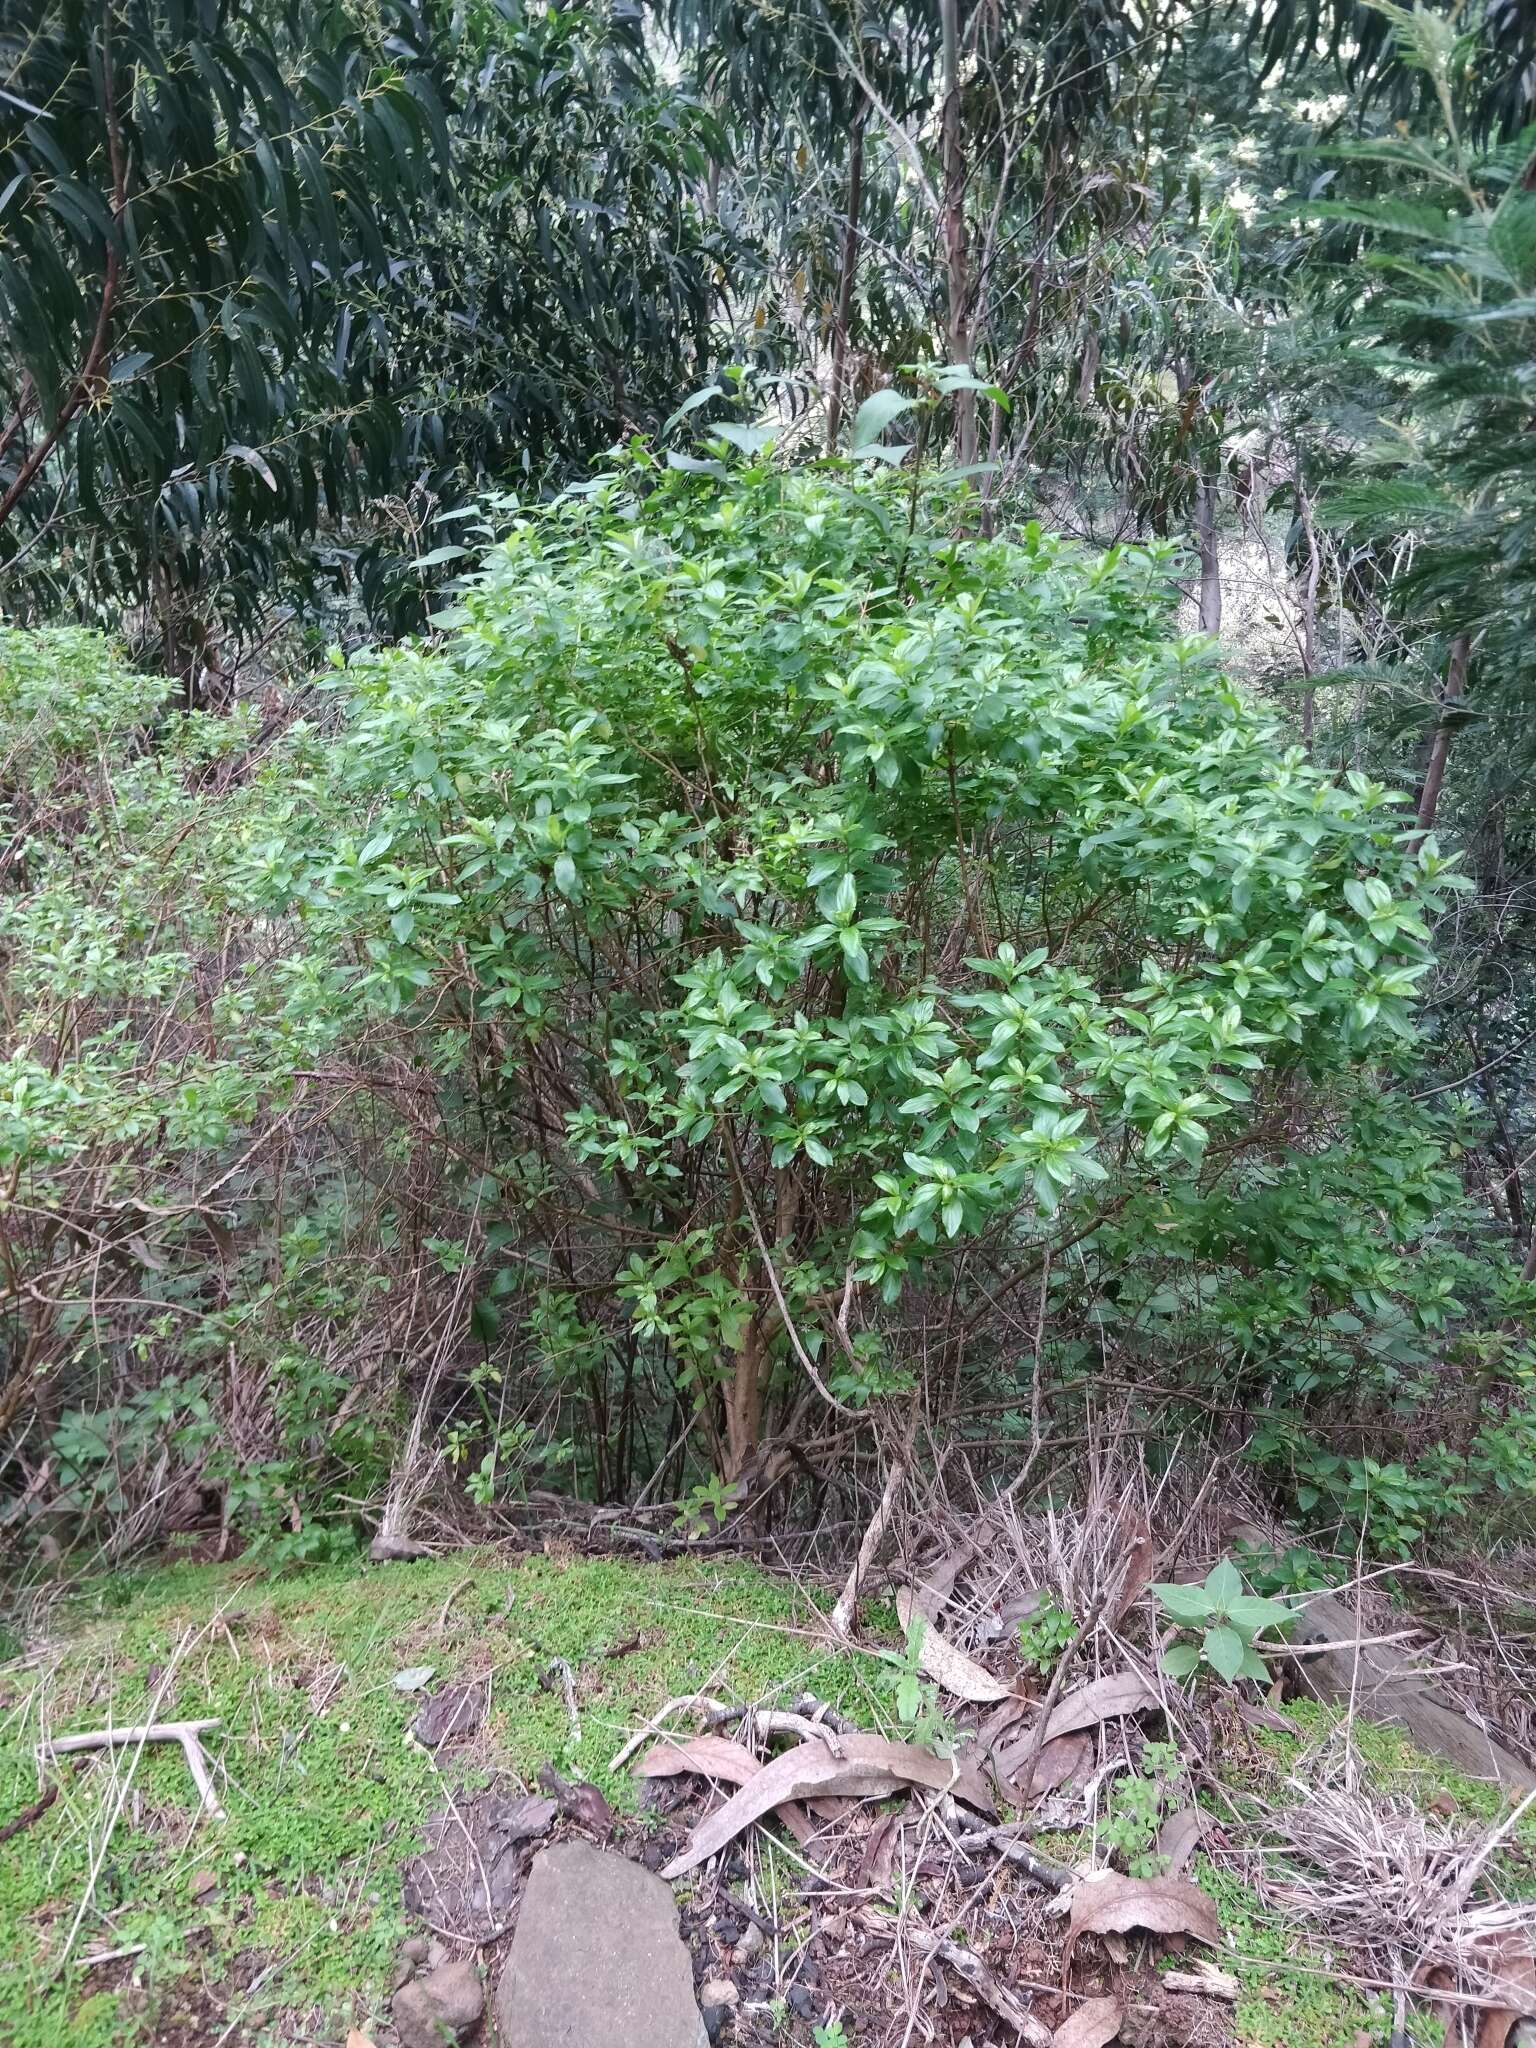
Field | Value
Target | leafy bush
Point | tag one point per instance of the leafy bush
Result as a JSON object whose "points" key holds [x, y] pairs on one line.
{"points": [[777, 955], [840, 918]]}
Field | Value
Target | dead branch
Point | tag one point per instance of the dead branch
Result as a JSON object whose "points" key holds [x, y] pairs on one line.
{"points": [[965, 1965], [184, 1732], [841, 1619], [29, 1814]]}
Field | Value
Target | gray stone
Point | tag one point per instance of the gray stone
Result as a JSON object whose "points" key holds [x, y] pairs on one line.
{"points": [[597, 1959], [444, 2006], [751, 1943]]}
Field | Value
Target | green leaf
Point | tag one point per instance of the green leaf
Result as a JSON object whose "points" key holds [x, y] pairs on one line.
{"points": [[1224, 1650], [750, 440], [253, 460], [1512, 236], [1185, 1603], [1181, 1660], [1224, 1585], [689, 405], [1253, 1615], [855, 959], [875, 415]]}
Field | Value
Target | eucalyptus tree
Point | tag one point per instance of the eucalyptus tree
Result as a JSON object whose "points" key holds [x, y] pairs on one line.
{"points": [[281, 282]]}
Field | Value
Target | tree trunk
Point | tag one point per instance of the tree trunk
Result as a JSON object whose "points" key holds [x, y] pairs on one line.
{"points": [[956, 262], [847, 273], [744, 1401], [1308, 608], [1440, 746], [1210, 559]]}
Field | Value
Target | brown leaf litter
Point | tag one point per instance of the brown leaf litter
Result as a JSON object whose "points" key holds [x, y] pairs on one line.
{"points": [[869, 1768]]}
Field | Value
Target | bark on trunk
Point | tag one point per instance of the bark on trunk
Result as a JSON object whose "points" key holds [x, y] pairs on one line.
{"points": [[744, 1402], [1210, 559], [1309, 586], [956, 261], [1440, 746], [847, 274]]}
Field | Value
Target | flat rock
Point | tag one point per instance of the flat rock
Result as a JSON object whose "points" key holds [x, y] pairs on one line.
{"points": [[597, 1959]]}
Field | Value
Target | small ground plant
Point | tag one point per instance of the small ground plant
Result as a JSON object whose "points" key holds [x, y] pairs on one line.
{"points": [[1226, 1618]]}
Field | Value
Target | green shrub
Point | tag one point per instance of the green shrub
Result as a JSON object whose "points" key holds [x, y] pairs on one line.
{"points": [[776, 953], [839, 918]]}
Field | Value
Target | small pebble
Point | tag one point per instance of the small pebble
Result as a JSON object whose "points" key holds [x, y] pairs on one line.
{"points": [[718, 1991], [801, 2003], [417, 1949], [751, 1942]]}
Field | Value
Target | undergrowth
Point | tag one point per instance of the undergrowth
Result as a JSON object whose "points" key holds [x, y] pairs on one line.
{"points": [[283, 1921]]}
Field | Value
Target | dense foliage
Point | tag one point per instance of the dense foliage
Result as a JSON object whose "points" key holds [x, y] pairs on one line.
{"points": [[273, 298], [777, 963]]}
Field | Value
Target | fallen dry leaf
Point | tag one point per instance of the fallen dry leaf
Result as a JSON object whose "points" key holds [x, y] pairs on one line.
{"points": [[1106, 1699], [1516, 1979], [938, 1580], [1094, 2024], [578, 1801], [452, 1712], [1005, 1715], [869, 1768], [879, 1857], [1179, 1837], [357, 2040], [948, 1666], [711, 1756], [1056, 1764], [1139, 1572], [1111, 1904], [523, 1819], [715, 1756]]}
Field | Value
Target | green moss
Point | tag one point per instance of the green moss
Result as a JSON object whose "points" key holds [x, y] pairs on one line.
{"points": [[1289, 1996], [326, 1793]]}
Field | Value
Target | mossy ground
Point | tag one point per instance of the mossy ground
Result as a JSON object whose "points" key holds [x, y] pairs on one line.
{"points": [[295, 1938], [280, 1924]]}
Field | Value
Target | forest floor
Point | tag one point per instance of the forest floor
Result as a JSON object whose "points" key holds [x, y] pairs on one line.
{"points": [[127, 1916]]}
